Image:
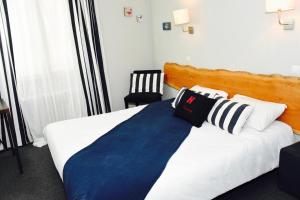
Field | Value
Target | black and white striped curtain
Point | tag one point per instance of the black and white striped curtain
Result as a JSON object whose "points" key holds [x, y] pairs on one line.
{"points": [[87, 41], [8, 84]]}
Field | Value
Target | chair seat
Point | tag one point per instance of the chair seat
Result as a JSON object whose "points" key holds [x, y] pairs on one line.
{"points": [[143, 97], [141, 81]]}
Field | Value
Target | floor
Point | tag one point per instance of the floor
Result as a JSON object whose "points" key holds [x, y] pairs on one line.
{"points": [[40, 180]]}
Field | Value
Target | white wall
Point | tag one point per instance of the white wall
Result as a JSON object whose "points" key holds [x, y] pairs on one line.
{"points": [[232, 34], [127, 45]]}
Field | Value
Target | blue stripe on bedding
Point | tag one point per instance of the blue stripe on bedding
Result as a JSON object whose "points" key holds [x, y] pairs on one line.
{"points": [[125, 163]]}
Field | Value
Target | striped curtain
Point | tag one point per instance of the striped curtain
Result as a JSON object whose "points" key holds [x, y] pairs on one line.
{"points": [[87, 41], [8, 84]]}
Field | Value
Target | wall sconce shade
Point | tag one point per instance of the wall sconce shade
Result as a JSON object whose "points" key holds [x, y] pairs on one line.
{"points": [[279, 5], [181, 16]]}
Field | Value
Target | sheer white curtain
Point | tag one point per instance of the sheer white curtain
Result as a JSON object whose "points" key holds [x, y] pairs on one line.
{"points": [[48, 76]]}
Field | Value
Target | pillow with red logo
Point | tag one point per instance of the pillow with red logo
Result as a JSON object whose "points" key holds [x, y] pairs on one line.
{"points": [[194, 107]]}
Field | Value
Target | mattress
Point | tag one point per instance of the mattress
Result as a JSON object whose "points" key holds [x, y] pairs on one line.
{"points": [[209, 163]]}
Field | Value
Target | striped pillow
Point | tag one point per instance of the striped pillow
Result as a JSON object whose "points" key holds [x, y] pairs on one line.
{"points": [[147, 82], [178, 97], [210, 95], [208, 91], [182, 90], [229, 115]]}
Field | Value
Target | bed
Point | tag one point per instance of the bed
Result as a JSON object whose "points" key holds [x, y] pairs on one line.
{"points": [[207, 164]]}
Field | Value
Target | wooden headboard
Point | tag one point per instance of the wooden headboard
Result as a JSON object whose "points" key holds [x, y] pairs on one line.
{"points": [[275, 88]]}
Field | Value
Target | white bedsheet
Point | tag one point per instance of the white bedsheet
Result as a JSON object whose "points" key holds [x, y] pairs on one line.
{"points": [[210, 162]]}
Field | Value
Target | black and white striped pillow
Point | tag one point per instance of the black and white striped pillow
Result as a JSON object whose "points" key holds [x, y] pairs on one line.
{"points": [[182, 90], [229, 115], [210, 95], [178, 97], [147, 82], [209, 91]]}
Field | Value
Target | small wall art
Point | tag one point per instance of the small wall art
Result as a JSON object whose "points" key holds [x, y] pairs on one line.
{"points": [[139, 18], [128, 12], [167, 26]]}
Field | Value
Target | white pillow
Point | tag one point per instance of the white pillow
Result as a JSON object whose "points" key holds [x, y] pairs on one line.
{"points": [[229, 115], [211, 93], [264, 112]]}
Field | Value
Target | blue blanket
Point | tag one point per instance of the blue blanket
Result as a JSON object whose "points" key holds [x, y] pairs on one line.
{"points": [[126, 162]]}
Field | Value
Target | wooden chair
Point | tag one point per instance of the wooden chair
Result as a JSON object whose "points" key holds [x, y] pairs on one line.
{"points": [[5, 114], [144, 88]]}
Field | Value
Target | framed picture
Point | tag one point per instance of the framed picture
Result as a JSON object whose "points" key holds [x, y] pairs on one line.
{"points": [[128, 11], [167, 26]]}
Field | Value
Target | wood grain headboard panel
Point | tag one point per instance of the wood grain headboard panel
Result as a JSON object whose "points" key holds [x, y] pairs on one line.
{"points": [[275, 88]]}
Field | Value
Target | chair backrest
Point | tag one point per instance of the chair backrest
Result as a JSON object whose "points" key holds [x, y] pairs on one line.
{"points": [[146, 71], [147, 81]]}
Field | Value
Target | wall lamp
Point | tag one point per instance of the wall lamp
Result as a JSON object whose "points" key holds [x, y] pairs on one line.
{"points": [[182, 18], [279, 6]]}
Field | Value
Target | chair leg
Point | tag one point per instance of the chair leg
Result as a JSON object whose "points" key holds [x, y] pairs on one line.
{"points": [[3, 141], [14, 144], [8, 129]]}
